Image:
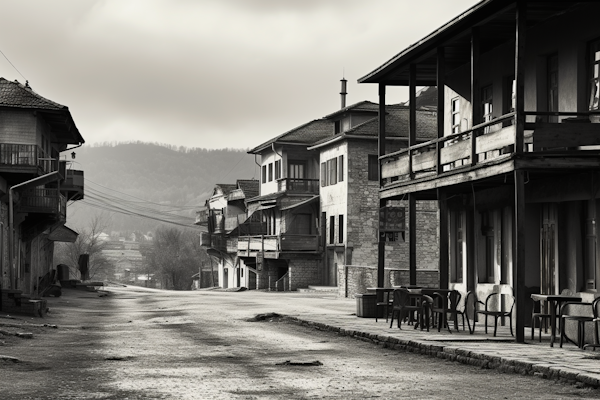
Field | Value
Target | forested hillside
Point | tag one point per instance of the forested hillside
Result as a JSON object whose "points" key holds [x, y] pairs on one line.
{"points": [[181, 178]]}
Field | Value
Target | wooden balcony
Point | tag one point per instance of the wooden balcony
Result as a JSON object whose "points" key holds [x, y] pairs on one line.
{"points": [[296, 185], [73, 184], [43, 201], [272, 245], [218, 242], [486, 146], [25, 159]]}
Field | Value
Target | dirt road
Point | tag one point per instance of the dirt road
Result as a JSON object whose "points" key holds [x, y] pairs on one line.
{"points": [[142, 344]]}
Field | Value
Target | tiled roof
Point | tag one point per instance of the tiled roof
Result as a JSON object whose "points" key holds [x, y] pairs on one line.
{"points": [[15, 94], [357, 107], [226, 188], [250, 187], [303, 134]]}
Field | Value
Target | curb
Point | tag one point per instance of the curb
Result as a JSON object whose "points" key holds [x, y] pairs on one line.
{"points": [[453, 353]]}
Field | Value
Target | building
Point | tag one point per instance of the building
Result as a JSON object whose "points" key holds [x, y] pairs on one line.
{"points": [[317, 212], [36, 182], [225, 218], [515, 167]]}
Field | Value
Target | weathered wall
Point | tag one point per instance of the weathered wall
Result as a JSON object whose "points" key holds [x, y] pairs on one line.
{"points": [[303, 273]]}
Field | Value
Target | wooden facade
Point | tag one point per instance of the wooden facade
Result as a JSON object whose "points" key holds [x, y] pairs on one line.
{"points": [[516, 165]]}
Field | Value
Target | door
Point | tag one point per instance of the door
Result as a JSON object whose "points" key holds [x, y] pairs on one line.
{"points": [[331, 269], [548, 248]]}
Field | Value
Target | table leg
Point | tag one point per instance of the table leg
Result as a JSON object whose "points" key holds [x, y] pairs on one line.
{"points": [[552, 322]]}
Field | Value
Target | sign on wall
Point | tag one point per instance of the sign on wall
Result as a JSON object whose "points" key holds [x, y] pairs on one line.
{"points": [[392, 219]]}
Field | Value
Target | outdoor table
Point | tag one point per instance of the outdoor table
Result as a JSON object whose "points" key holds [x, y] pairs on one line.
{"points": [[554, 301]]}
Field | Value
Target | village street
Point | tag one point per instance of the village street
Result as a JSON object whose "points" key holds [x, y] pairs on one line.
{"points": [[135, 343]]}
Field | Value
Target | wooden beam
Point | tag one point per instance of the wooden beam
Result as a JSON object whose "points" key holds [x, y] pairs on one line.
{"points": [[441, 83], [521, 28], [382, 203], [477, 112]]}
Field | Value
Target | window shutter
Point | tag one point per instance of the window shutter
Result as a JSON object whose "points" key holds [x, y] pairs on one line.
{"points": [[341, 168], [323, 174]]}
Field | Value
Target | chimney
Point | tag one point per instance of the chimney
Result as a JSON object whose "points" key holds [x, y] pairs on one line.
{"points": [[343, 93]]}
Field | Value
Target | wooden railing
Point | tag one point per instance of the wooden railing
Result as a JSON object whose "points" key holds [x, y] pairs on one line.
{"points": [[490, 141], [297, 185], [26, 155], [46, 201], [277, 243]]}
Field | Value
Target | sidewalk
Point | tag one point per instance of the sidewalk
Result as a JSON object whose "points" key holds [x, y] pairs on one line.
{"points": [[568, 363]]}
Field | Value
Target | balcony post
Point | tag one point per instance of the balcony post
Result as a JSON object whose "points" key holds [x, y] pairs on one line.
{"points": [[519, 76], [382, 203], [475, 91], [519, 256], [412, 238], [412, 118], [441, 77], [444, 240]]}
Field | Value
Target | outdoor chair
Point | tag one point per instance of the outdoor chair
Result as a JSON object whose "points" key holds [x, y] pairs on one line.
{"points": [[440, 307], [403, 307], [454, 297], [540, 313], [596, 320], [494, 307], [581, 320], [384, 300]]}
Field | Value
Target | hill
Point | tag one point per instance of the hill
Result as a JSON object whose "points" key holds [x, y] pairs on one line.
{"points": [[179, 177]]}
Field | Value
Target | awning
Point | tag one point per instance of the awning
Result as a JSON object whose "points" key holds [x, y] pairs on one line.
{"points": [[300, 203]]}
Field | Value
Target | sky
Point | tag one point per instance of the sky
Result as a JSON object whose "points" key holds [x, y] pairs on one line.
{"points": [[207, 73]]}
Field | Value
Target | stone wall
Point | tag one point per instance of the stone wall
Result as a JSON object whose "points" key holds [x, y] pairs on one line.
{"points": [[303, 273]]}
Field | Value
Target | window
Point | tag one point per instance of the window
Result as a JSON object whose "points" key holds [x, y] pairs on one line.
{"points": [[278, 169], [373, 172], [595, 75], [296, 169], [332, 171], [264, 174], [332, 229], [337, 127], [455, 107], [457, 246], [270, 172], [341, 229], [340, 168]]}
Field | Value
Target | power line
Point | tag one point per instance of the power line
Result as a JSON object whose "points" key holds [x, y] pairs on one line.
{"points": [[13, 65]]}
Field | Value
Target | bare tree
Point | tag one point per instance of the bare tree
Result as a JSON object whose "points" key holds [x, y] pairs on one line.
{"points": [[90, 242]]}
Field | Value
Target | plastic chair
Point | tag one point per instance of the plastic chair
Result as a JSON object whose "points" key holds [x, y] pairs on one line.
{"points": [[454, 297], [542, 317], [402, 306], [505, 293], [580, 319], [596, 312]]}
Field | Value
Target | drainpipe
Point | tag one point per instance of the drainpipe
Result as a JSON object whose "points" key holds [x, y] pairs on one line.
{"points": [[40, 180]]}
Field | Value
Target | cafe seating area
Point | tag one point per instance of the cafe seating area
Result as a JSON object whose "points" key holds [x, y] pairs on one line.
{"points": [[567, 317]]}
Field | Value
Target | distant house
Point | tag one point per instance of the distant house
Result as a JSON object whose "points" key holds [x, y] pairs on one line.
{"points": [[36, 185], [224, 217]]}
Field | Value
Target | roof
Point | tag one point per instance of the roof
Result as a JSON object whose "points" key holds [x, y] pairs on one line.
{"points": [[302, 135], [17, 95], [250, 187], [496, 20], [363, 106], [226, 188]]}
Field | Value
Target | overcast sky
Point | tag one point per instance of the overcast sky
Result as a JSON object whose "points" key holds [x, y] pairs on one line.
{"points": [[207, 73]]}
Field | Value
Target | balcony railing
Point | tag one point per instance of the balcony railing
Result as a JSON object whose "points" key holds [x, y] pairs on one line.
{"points": [[26, 156], [44, 201], [490, 141], [297, 185], [251, 245]]}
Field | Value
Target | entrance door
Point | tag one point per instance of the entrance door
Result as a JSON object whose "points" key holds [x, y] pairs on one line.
{"points": [[331, 269], [548, 256]]}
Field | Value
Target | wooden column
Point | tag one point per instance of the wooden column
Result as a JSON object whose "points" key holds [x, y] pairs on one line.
{"points": [[412, 238], [444, 256], [412, 114], [441, 103], [477, 112], [519, 222], [382, 202], [470, 230], [519, 255]]}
